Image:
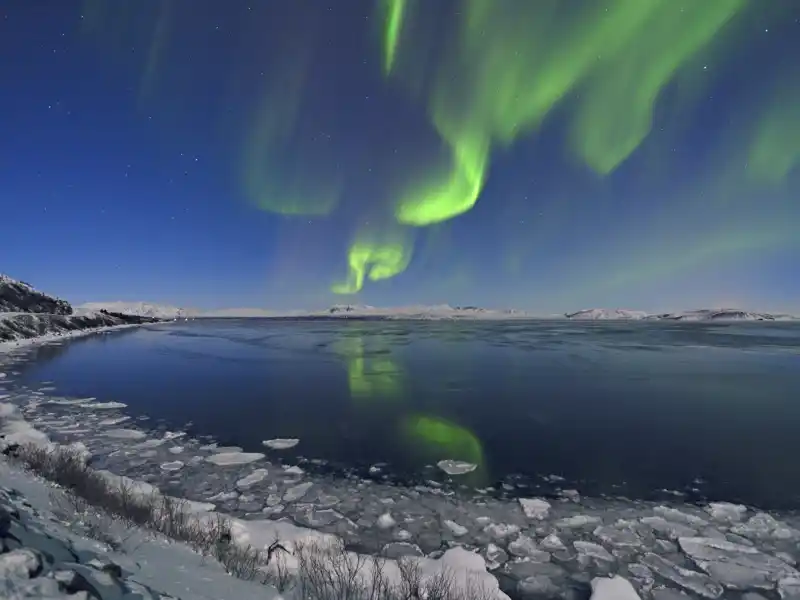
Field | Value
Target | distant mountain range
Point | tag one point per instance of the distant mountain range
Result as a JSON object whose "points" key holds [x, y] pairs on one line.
{"points": [[703, 314], [19, 297], [436, 312]]}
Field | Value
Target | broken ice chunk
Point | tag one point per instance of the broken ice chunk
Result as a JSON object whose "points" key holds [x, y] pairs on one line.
{"points": [[592, 550], [553, 543], [456, 529], [296, 492], [673, 514], [699, 583], [789, 588], [576, 521], [535, 508], [225, 459], [725, 512], [125, 434], [613, 588], [281, 443], [672, 530], [386, 521], [734, 565], [456, 467], [621, 534], [175, 465], [501, 530], [253, 478], [525, 547], [765, 527]]}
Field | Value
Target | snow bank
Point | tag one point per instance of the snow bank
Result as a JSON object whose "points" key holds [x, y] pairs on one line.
{"points": [[138, 309], [14, 429]]}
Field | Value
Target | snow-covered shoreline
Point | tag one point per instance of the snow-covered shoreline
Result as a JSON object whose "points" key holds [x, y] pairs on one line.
{"points": [[20, 330], [57, 337]]}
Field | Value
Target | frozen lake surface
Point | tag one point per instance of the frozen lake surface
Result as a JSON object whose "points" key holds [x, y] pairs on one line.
{"points": [[644, 410]]}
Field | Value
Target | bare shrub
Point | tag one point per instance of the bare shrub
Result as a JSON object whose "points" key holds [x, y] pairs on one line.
{"points": [[277, 573]]}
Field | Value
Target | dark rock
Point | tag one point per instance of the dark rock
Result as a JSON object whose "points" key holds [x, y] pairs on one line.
{"points": [[53, 549], [112, 569], [5, 521], [18, 296], [96, 583]]}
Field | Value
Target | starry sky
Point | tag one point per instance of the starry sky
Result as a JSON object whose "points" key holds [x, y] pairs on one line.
{"points": [[547, 155]]}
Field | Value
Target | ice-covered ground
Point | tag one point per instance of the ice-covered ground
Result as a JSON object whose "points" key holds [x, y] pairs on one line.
{"points": [[535, 547]]}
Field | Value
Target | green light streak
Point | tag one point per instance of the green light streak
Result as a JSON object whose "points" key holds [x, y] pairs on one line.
{"points": [[775, 151], [373, 260], [509, 64], [395, 10]]}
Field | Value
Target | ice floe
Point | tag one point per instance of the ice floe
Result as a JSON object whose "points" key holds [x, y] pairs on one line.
{"points": [[224, 459], [297, 491], [175, 465], [535, 508], [456, 467], [386, 521], [454, 528], [613, 588], [126, 434], [255, 477], [735, 565], [104, 405], [281, 443], [726, 512]]}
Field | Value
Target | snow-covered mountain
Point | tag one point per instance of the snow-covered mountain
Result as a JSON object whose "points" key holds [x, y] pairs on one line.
{"points": [[603, 314], [166, 311], [426, 313], [18, 296], [720, 314], [139, 309], [703, 314]]}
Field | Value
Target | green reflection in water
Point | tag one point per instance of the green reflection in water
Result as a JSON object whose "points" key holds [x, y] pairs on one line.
{"points": [[371, 372], [438, 439], [374, 377]]}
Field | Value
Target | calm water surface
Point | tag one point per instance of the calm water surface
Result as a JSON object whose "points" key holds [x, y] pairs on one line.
{"points": [[613, 407]]}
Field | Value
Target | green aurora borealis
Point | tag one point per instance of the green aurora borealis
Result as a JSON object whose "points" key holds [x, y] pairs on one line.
{"points": [[663, 139]]}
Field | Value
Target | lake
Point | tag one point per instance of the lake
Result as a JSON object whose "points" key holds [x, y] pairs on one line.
{"points": [[639, 409]]}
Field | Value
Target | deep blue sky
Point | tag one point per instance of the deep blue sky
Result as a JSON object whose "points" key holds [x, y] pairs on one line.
{"points": [[147, 153]]}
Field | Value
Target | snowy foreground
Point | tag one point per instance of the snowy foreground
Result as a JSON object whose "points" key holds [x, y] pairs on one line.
{"points": [[531, 548]]}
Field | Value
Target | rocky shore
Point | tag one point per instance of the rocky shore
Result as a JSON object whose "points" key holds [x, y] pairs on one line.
{"points": [[27, 313]]}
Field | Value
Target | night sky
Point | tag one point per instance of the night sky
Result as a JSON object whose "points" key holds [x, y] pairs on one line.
{"points": [[547, 155]]}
